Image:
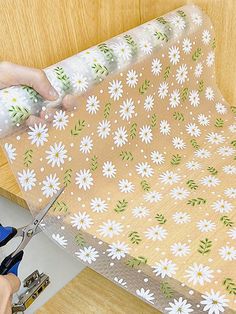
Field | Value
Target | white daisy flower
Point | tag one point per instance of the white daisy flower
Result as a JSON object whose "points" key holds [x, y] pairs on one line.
{"points": [[132, 78], [156, 233], [174, 54], [104, 128], [210, 181], [230, 192], [79, 82], [109, 170], [152, 197], [179, 193], [140, 212], [86, 145], [178, 143], [59, 239], [215, 138], [178, 22], [193, 165], [144, 170], [232, 128], [209, 93], [182, 74], [193, 129], [199, 274], [87, 254], [206, 37], [123, 50], [146, 47], [165, 127], [118, 250], [98, 205], [169, 177], [145, 134], [197, 19], [210, 58], [92, 105], [120, 281], [226, 151], [229, 169], [146, 295], [27, 179], [60, 120], [115, 89], [194, 98], [50, 185], [156, 67], [187, 46], [120, 137], [126, 186], [174, 98], [56, 154], [205, 225], [227, 253], [38, 134], [220, 108], [110, 228], [232, 233], [180, 249], [157, 158], [202, 153], [127, 109], [203, 120], [179, 306], [165, 268], [181, 218], [81, 221], [163, 90], [214, 302], [10, 151], [198, 69], [222, 206], [84, 179], [148, 103]]}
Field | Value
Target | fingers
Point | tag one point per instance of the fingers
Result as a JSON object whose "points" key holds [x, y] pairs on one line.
{"points": [[14, 74], [70, 102], [14, 282]]}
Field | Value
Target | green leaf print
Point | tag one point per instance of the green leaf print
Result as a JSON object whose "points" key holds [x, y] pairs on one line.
{"points": [[213, 44], [67, 177], [219, 123], [227, 221], [134, 262], [181, 13], [233, 109], [205, 246], [134, 237], [127, 156], [161, 20], [194, 143], [166, 290], [121, 206], [80, 124], [161, 219], [201, 86], [108, 52], [132, 43], [212, 170], [79, 240], [107, 110], [197, 54], [233, 143], [192, 185], [167, 72], [60, 206], [18, 114], [144, 87], [176, 159], [145, 186], [230, 285], [63, 78], [28, 156], [33, 95], [94, 163], [196, 201], [133, 130], [153, 120], [161, 36], [100, 70], [178, 116], [184, 93]]}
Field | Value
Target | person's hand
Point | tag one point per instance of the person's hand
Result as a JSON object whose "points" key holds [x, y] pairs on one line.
{"points": [[13, 74], [9, 284]]}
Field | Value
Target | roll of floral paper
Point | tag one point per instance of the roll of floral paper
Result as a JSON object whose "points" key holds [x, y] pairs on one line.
{"points": [[148, 161]]}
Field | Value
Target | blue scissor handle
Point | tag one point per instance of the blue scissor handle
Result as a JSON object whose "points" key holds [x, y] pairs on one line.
{"points": [[6, 234], [11, 263]]}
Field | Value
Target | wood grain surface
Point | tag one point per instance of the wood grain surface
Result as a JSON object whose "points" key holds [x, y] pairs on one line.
{"points": [[38, 33]]}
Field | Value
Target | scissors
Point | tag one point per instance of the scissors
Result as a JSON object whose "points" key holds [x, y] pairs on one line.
{"points": [[11, 263]]}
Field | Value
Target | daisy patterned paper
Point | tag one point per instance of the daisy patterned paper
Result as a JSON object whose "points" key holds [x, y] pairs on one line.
{"points": [[148, 160]]}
